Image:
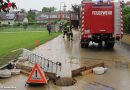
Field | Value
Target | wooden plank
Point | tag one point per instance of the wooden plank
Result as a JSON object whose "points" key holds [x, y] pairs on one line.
{"points": [[79, 71]]}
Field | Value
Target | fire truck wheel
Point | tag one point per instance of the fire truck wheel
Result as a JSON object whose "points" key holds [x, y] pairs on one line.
{"points": [[82, 45], [109, 45], [100, 45]]}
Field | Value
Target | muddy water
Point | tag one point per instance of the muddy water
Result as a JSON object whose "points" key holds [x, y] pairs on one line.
{"points": [[72, 56]]}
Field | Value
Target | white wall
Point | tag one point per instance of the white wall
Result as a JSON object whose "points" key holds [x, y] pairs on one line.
{"points": [[6, 22]]}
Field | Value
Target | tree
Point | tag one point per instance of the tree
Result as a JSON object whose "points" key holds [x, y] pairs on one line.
{"points": [[31, 16], [52, 9], [76, 9], [126, 10], [126, 19], [22, 10], [6, 5], [48, 9]]}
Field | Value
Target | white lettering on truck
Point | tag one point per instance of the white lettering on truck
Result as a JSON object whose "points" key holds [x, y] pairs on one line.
{"points": [[102, 13]]}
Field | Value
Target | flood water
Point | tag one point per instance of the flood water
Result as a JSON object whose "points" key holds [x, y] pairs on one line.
{"points": [[73, 56]]}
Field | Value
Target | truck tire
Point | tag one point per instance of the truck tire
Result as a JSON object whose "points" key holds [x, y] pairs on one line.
{"points": [[109, 45], [100, 45]]}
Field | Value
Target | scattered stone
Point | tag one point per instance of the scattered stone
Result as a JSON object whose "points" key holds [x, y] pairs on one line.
{"points": [[15, 71], [99, 70], [5, 73]]}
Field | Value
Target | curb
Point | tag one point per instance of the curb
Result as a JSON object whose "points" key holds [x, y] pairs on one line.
{"points": [[5, 65]]}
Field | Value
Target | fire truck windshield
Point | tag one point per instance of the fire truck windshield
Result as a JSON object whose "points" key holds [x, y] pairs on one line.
{"points": [[102, 2]]}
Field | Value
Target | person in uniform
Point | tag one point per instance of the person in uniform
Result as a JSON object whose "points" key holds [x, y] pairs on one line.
{"points": [[49, 28], [69, 31], [65, 30], [61, 27]]}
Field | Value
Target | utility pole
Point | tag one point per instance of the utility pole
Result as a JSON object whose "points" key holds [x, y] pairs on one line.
{"points": [[64, 8]]}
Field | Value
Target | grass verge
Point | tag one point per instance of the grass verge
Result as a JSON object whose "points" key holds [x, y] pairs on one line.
{"points": [[12, 41], [126, 39]]}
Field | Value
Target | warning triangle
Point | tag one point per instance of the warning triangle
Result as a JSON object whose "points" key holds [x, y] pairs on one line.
{"points": [[37, 75]]}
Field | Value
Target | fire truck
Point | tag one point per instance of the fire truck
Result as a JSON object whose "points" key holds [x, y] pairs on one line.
{"points": [[101, 23]]}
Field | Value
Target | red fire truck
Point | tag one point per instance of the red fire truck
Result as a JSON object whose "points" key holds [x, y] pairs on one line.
{"points": [[102, 23]]}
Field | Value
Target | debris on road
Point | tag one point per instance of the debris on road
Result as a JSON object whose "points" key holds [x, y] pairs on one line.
{"points": [[15, 71], [5, 73], [27, 67], [99, 70], [78, 71], [86, 69]]}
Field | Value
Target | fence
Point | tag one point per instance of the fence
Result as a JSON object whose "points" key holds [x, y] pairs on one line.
{"points": [[46, 64]]}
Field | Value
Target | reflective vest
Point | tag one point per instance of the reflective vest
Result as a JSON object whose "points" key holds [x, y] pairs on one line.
{"points": [[69, 29]]}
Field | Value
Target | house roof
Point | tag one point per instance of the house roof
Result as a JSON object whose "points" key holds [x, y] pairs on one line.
{"points": [[20, 17], [12, 16], [128, 3], [2, 15], [7, 16], [56, 16]]}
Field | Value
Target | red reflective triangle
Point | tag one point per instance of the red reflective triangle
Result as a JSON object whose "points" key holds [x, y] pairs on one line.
{"points": [[39, 71]]}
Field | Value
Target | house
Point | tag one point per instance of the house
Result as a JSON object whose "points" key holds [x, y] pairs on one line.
{"points": [[12, 18], [58, 15], [21, 18], [128, 3], [7, 19]]}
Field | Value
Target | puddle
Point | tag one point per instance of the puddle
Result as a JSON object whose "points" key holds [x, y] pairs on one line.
{"points": [[65, 81], [98, 86]]}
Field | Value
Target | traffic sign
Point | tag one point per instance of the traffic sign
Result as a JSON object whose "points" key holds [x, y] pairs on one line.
{"points": [[37, 75]]}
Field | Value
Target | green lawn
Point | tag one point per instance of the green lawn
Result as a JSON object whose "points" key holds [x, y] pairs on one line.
{"points": [[10, 41]]}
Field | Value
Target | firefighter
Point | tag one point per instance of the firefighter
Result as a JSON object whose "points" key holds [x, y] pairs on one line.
{"points": [[64, 30], [69, 31], [49, 28], [61, 27]]}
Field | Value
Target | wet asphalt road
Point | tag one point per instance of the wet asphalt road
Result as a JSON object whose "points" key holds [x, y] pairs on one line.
{"points": [[73, 56]]}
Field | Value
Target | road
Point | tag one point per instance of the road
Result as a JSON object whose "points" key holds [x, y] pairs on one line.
{"points": [[73, 56]]}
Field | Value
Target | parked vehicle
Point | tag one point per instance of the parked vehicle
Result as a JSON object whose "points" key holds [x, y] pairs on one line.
{"points": [[102, 23]]}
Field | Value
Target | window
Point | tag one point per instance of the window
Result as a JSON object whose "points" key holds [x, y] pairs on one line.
{"points": [[102, 2]]}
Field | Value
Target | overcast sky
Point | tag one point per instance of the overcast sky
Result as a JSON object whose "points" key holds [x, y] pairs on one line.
{"points": [[38, 4]]}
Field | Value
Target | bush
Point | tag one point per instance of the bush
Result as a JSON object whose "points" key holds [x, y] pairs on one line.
{"points": [[127, 23], [126, 19], [126, 10], [17, 24], [25, 25]]}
